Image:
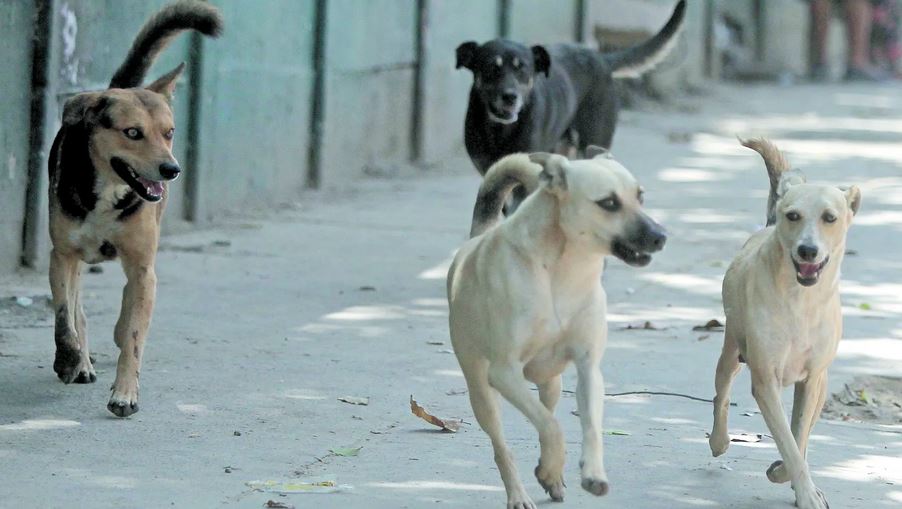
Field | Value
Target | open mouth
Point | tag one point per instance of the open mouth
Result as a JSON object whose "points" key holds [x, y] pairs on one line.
{"points": [[503, 115], [807, 274], [630, 255], [149, 190]]}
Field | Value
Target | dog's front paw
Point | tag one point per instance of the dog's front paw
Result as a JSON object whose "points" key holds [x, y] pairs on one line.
{"points": [[551, 481], [812, 498], [594, 479], [73, 366], [777, 472], [520, 500], [719, 442], [124, 401]]}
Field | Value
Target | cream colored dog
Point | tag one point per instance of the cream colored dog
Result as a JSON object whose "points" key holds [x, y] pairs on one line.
{"points": [[781, 299], [526, 300]]}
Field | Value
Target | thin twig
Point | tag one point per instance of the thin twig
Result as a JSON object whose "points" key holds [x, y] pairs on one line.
{"points": [[657, 393]]}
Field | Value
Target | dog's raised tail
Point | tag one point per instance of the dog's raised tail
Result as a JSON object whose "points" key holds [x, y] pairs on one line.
{"points": [[636, 61], [776, 165], [159, 31], [499, 181]]}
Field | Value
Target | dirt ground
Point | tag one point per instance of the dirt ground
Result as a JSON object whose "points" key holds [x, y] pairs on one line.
{"points": [[272, 329]]}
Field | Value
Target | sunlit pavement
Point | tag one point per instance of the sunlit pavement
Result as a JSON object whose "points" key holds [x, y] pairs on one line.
{"points": [[254, 339]]}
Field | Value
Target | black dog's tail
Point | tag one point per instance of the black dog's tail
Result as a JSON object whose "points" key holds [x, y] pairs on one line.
{"points": [[777, 169], [636, 61], [159, 31], [499, 181]]}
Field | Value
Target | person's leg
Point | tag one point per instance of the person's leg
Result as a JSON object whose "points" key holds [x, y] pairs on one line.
{"points": [[821, 11], [858, 32]]}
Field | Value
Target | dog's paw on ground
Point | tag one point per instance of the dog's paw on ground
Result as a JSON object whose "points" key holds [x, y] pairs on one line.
{"points": [[777, 473], [597, 487], [811, 499], [521, 502], [123, 403], [551, 482], [73, 367]]}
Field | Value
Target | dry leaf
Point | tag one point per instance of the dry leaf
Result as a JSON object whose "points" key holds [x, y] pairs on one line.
{"points": [[354, 400], [746, 437], [272, 504], [445, 424], [346, 451], [435, 343], [644, 326], [711, 325]]}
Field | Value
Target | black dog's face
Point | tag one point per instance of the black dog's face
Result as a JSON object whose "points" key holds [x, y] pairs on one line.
{"points": [[503, 74]]}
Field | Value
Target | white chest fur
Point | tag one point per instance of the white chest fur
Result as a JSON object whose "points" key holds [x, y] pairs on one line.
{"points": [[101, 225]]}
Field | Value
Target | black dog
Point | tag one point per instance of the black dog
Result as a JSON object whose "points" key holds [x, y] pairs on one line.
{"points": [[531, 99]]}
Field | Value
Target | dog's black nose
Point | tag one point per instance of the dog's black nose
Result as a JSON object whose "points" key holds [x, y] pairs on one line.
{"points": [[169, 171], [652, 238], [509, 98], [807, 253]]}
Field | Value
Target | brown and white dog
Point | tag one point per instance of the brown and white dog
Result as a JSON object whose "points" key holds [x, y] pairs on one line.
{"points": [[526, 300], [781, 299], [109, 168]]}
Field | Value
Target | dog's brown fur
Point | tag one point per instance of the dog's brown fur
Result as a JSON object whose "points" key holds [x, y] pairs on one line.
{"points": [[97, 214]]}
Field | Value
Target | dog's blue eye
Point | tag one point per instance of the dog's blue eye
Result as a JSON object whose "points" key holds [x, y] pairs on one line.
{"points": [[829, 218], [611, 204], [793, 216], [133, 133]]}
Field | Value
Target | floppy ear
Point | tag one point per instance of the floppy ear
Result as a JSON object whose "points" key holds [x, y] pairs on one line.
{"points": [[788, 179], [593, 151], [554, 172], [165, 84], [541, 59], [465, 54], [853, 198], [76, 108]]}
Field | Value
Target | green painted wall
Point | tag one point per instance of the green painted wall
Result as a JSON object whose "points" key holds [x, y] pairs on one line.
{"points": [[15, 86]]}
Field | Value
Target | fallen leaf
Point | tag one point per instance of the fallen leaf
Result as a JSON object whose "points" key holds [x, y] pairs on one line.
{"points": [[367, 288], [617, 432], [455, 392], [864, 306], [346, 451], [644, 326], [288, 487], [435, 343], [711, 325], [446, 424], [355, 400], [272, 504]]}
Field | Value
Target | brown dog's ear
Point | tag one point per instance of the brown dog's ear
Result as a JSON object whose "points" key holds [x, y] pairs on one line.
{"points": [[593, 151], [541, 60], [76, 108], [554, 172], [853, 198], [165, 84], [465, 54]]}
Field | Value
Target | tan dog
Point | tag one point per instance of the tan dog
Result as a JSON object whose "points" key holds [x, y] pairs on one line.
{"points": [[525, 301], [108, 170], [781, 299]]}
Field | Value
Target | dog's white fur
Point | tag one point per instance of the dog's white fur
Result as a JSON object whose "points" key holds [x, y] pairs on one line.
{"points": [[525, 301], [787, 333]]}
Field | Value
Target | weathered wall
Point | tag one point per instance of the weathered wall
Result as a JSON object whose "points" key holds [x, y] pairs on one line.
{"points": [[15, 85], [245, 106]]}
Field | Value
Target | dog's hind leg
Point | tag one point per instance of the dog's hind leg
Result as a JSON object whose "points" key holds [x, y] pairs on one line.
{"points": [[131, 331], [72, 362], [484, 401], [508, 379], [727, 369], [808, 401], [766, 390]]}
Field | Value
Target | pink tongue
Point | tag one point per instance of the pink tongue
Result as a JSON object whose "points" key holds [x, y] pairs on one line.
{"points": [[154, 188], [808, 269]]}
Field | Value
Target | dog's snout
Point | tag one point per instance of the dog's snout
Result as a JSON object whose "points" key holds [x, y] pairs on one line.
{"points": [[807, 252], [169, 171], [655, 237], [509, 97]]}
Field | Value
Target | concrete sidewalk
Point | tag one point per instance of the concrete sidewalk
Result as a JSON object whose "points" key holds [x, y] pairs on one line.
{"points": [[262, 323]]}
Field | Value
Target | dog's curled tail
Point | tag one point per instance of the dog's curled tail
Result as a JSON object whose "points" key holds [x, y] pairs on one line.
{"points": [[636, 61], [776, 165], [159, 31], [499, 181]]}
